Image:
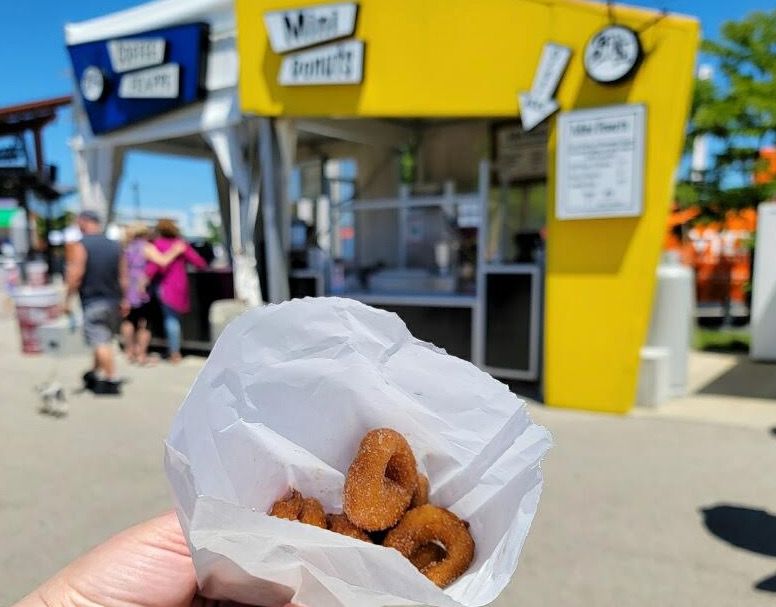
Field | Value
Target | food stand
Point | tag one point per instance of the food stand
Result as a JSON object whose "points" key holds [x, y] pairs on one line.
{"points": [[515, 164]]}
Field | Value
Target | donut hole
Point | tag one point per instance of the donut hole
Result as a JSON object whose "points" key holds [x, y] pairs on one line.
{"points": [[397, 471], [428, 554]]}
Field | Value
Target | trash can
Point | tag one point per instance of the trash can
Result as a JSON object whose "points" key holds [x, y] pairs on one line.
{"points": [[35, 306], [36, 273]]}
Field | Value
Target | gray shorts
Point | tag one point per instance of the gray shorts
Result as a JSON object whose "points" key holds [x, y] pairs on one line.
{"points": [[101, 321]]}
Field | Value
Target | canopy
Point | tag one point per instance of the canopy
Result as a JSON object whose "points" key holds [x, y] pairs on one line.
{"points": [[212, 128]]}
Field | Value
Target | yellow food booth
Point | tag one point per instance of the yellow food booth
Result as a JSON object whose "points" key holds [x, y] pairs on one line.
{"points": [[501, 167]]}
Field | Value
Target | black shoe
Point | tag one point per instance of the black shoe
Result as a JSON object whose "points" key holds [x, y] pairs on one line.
{"points": [[106, 387], [89, 380]]}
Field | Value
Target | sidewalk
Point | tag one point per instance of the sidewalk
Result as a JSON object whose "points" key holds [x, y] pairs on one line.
{"points": [[724, 389], [656, 508]]}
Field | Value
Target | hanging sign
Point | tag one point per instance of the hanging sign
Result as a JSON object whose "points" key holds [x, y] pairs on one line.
{"points": [[125, 80], [600, 162], [339, 63], [135, 53], [613, 54], [292, 29], [539, 103], [154, 83]]}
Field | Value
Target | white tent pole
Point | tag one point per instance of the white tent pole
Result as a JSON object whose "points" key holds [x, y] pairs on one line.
{"points": [[277, 275]]}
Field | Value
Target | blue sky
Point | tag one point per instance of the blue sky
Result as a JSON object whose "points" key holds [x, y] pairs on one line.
{"points": [[34, 65]]}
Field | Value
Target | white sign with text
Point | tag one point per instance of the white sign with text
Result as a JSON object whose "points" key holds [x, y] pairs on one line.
{"points": [[155, 83], [600, 162], [539, 103], [289, 30], [339, 63], [135, 53]]}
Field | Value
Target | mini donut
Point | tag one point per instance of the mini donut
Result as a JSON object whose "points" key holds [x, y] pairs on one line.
{"points": [[427, 524], [288, 507], [381, 481], [427, 555], [420, 496], [339, 523], [312, 513]]}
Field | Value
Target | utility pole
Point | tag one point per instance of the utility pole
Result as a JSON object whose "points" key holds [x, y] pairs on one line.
{"points": [[136, 197]]}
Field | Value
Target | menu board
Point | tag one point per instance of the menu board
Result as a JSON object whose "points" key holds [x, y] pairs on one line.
{"points": [[600, 163], [521, 155]]}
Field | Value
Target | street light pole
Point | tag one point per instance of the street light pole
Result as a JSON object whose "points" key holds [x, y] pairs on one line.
{"points": [[136, 196]]}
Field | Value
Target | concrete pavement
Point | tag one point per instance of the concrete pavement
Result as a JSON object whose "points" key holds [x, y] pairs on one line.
{"points": [[621, 520]]}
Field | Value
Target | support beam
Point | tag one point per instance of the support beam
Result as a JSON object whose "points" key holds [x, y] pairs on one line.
{"points": [[365, 131]]}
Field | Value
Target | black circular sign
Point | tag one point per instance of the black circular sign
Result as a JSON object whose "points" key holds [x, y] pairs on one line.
{"points": [[613, 54]]}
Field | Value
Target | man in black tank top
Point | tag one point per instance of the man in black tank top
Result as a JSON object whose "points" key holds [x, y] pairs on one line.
{"points": [[97, 272]]}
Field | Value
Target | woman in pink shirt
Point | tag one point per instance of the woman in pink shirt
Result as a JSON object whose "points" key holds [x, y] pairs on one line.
{"points": [[172, 282]]}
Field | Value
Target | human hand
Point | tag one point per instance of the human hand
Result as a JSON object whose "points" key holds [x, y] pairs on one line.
{"points": [[148, 565], [178, 247], [124, 307]]}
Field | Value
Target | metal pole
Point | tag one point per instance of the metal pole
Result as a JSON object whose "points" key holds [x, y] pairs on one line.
{"points": [[136, 197]]}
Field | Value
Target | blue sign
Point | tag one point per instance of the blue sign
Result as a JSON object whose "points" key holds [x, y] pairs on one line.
{"points": [[125, 80]]}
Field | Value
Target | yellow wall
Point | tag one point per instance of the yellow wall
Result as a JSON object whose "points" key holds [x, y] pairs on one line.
{"points": [[470, 58]]}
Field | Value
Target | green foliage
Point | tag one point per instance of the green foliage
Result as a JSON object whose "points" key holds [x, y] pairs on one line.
{"points": [[215, 233], [738, 108], [55, 223], [729, 340]]}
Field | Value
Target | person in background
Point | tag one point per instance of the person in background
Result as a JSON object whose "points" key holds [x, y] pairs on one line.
{"points": [[138, 252], [173, 282], [97, 271]]}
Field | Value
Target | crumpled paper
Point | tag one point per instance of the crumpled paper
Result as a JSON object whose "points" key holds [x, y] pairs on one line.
{"points": [[283, 401]]}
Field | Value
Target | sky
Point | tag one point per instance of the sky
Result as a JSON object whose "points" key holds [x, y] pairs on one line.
{"points": [[34, 65]]}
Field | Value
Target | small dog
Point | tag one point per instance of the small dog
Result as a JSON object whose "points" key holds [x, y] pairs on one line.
{"points": [[54, 399]]}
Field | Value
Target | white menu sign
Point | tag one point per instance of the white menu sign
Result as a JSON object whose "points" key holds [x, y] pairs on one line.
{"points": [[154, 83], [600, 162], [135, 53], [338, 63], [297, 28]]}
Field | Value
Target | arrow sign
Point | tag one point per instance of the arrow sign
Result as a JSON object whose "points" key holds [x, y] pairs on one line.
{"points": [[538, 103]]}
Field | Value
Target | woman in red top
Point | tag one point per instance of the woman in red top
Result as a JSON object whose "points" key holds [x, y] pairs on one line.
{"points": [[173, 282]]}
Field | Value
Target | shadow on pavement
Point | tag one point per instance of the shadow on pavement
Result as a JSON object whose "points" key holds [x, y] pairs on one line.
{"points": [[768, 584], [746, 379], [746, 528]]}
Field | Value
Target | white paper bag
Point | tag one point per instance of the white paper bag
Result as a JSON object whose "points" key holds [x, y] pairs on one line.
{"points": [[283, 402]]}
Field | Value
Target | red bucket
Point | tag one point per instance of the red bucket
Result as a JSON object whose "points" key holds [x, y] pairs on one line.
{"points": [[35, 306]]}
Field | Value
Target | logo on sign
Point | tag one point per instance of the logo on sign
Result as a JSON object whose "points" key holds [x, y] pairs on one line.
{"points": [[154, 83], [290, 30], [612, 54], [341, 63], [135, 53], [92, 83]]}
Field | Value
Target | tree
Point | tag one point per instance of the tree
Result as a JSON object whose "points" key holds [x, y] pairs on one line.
{"points": [[738, 110]]}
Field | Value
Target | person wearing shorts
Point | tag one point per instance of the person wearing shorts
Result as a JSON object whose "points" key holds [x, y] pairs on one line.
{"points": [[97, 272]]}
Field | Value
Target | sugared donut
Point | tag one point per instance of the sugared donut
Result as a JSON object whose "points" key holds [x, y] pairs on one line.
{"points": [[381, 481], [312, 513], [427, 524], [339, 523], [295, 507], [288, 507], [420, 496]]}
